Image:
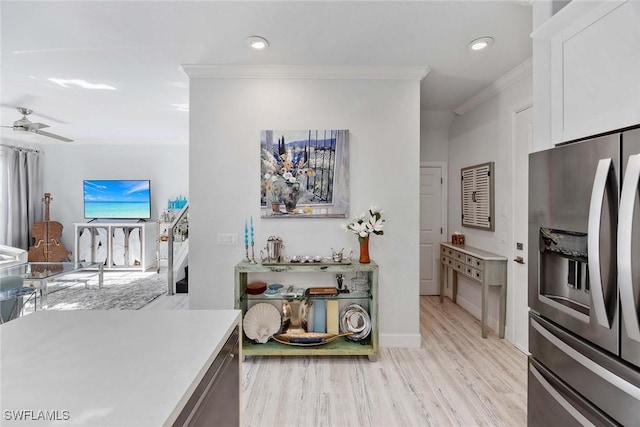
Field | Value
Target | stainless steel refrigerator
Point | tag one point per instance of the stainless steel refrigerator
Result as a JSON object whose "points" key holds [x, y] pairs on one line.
{"points": [[584, 283]]}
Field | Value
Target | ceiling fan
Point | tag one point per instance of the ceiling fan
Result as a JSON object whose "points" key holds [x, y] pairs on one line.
{"points": [[26, 125]]}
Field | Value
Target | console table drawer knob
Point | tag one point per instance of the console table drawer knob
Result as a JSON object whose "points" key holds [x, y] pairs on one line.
{"points": [[477, 274]]}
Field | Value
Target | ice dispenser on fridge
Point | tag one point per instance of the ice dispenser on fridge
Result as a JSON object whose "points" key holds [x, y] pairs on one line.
{"points": [[564, 273]]}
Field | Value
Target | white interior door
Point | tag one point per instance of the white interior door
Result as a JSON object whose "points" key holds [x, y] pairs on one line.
{"points": [[430, 228], [523, 144]]}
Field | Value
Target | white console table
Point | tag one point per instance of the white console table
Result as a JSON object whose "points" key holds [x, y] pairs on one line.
{"points": [[485, 267], [116, 245]]}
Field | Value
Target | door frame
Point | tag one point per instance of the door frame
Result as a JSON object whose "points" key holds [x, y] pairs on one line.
{"points": [[444, 200], [510, 272]]}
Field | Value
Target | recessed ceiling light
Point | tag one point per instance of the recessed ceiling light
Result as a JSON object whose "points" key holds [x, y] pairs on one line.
{"points": [[481, 43], [257, 42]]}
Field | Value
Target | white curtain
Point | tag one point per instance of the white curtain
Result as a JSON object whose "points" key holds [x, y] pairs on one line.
{"points": [[20, 195]]}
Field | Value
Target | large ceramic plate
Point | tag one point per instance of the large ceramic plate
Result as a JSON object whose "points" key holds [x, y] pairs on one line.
{"points": [[261, 321], [308, 339], [355, 319]]}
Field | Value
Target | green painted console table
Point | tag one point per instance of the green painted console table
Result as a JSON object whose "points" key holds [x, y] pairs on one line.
{"points": [[341, 346]]}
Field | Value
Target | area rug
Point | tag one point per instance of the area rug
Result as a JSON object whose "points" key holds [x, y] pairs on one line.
{"points": [[129, 291]]}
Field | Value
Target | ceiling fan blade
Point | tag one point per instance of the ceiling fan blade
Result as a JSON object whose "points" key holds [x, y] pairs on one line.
{"points": [[53, 119], [23, 100], [52, 135], [35, 126], [28, 100]]}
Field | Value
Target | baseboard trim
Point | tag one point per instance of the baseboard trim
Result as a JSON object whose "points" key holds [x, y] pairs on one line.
{"points": [[477, 312], [400, 340]]}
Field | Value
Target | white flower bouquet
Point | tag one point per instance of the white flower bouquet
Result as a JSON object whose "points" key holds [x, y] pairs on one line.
{"points": [[364, 227]]}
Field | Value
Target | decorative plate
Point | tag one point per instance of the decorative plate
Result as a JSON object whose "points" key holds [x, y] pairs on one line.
{"points": [[355, 319], [261, 321], [308, 339]]}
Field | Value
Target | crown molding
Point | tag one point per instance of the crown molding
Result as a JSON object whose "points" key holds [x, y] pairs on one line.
{"points": [[576, 13], [496, 87], [203, 71]]}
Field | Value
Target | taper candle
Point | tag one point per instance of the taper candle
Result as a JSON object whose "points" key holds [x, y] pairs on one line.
{"points": [[252, 229], [246, 234]]}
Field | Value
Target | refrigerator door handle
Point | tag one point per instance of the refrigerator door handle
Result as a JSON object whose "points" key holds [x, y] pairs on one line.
{"points": [[625, 235], [593, 241]]}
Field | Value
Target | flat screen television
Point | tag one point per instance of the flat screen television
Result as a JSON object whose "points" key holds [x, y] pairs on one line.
{"points": [[117, 199]]}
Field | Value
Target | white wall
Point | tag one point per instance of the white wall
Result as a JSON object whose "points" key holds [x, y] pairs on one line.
{"points": [[383, 119], [434, 135], [66, 165], [485, 134]]}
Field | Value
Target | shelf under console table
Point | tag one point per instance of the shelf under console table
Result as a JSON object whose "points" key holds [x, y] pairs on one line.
{"points": [[342, 346], [485, 267]]}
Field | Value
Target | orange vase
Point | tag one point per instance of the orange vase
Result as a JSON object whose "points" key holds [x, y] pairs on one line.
{"points": [[364, 251]]}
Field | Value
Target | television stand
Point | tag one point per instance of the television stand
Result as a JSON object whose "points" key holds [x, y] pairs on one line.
{"points": [[116, 245]]}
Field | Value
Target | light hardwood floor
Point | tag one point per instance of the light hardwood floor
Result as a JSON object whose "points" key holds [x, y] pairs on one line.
{"points": [[455, 378]]}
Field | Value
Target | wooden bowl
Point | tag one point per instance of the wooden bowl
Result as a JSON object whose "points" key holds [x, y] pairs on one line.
{"points": [[256, 288]]}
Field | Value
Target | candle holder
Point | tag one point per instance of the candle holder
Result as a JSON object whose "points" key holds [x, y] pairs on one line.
{"points": [[253, 257], [246, 252]]}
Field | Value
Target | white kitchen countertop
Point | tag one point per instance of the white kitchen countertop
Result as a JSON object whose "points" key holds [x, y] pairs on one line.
{"points": [[107, 368]]}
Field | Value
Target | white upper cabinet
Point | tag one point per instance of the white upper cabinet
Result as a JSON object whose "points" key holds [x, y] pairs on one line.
{"points": [[594, 67]]}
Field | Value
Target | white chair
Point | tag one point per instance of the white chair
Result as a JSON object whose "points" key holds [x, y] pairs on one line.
{"points": [[12, 256]]}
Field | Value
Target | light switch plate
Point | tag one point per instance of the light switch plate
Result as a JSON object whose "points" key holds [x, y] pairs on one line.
{"points": [[227, 239]]}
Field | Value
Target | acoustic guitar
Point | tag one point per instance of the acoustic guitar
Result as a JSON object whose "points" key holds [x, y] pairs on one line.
{"points": [[46, 238]]}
